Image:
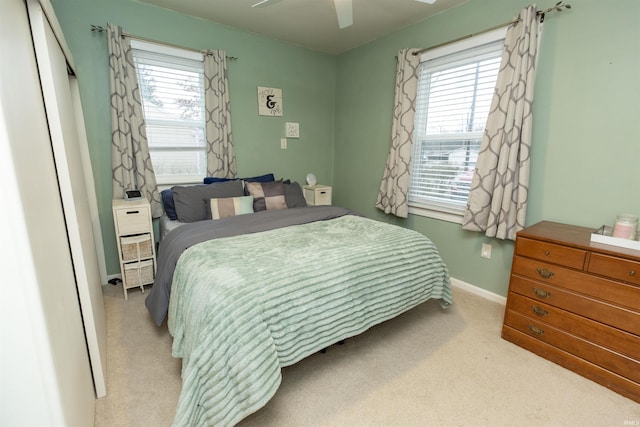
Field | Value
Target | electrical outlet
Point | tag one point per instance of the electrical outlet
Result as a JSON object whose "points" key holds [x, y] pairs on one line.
{"points": [[283, 143], [485, 252]]}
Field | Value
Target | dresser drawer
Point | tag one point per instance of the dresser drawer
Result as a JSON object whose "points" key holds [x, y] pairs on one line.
{"points": [[583, 283], [623, 365], [590, 308], [606, 336], [549, 252], [317, 195], [132, 221], [605, 377], [616, 268]]}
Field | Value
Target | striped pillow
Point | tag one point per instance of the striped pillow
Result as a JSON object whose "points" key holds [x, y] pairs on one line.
{"points": [[231, 206]]}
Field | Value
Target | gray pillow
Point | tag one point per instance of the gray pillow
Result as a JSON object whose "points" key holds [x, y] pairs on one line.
{"points": [[293, 195], [192, 202]]}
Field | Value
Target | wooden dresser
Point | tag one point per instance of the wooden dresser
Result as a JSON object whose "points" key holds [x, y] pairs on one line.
{"points": [[577, 303]]}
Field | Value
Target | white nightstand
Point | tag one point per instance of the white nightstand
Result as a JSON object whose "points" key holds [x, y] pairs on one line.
{"points": [[136, 248], [316, 195]]}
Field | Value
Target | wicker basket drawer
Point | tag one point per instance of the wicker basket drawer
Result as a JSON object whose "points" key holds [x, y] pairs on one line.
{"points": [[138, 273], [136, 247]]}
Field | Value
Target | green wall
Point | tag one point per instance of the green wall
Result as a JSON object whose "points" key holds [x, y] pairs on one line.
{"points": [[586, 136], [307, 80]]}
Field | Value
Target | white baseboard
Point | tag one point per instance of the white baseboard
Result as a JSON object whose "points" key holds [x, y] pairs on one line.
{"points": [[478, 291]]}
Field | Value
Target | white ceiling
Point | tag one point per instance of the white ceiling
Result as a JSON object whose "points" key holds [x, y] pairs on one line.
{"points": [[312, 24]]}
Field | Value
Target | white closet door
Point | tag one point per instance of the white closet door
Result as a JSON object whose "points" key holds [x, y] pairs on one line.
{"points": [[58, 90]]}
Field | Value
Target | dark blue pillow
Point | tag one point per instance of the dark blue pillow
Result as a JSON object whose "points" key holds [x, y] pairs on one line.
{"points": [[261, 178], [168, 203], [213, 179]]}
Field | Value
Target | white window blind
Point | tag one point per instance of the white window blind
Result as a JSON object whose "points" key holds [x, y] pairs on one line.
{"points": [[172, 90], [455, 90]]}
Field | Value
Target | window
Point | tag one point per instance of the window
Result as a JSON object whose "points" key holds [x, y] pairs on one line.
{"points": [[455, 88], [172, 90]]}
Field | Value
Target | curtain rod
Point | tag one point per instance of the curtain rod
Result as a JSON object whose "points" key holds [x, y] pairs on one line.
{"points": [[558, 7], [99, 29]]}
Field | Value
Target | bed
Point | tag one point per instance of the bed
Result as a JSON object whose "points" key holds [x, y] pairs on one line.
{"points": [[166, 224], [246, 295]]}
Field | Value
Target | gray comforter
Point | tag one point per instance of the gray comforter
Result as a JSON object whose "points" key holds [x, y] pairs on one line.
{"points": [[183, 237]]}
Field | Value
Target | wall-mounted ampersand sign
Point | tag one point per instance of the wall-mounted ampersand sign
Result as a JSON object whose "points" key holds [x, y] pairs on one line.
{"points": [[269, 101]]}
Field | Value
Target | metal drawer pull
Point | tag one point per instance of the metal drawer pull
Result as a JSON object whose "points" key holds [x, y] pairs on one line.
{"points": [[541, 293], [544, 273], [132, 212], [547, 253], [535, 330], [632, 273], [539, 311]]}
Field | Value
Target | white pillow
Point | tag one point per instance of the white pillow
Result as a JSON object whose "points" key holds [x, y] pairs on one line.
{"points": [[231, 206]]}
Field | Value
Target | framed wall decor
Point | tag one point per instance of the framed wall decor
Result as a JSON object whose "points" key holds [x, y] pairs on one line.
{"points": [[269, 101], [292, 130]]}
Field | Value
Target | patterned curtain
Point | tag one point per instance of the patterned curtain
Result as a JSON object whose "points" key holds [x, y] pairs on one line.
{"points": [[499, 190], [130, 160], [221, 159], [393, 196]]}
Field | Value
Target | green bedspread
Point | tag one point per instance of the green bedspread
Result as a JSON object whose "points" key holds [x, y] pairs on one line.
{"points": [[243, 307]]}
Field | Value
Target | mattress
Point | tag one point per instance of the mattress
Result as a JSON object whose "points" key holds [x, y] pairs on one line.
{"points": [[166, 225]]}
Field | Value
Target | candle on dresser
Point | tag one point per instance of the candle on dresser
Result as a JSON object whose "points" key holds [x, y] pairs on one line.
{"points": [[625, 226]]}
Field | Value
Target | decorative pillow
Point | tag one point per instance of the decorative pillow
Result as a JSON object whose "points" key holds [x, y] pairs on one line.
{"points": [[167, 203], [267, 195], [192, 202], [294, 196], [231, 206], [261, 178]]}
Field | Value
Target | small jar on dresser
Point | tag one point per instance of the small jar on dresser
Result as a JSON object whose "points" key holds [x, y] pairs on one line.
{"points": [[136, 248], [577, 303], [316, 195]]}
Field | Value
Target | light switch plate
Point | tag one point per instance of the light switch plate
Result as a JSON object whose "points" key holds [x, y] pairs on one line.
{"points": [[485, 252], [283, 143], [292, 130]]}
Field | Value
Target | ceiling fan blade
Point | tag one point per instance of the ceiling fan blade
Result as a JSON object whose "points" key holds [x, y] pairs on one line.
{"points": [[344, 10], [265, 3], [424, 1]]}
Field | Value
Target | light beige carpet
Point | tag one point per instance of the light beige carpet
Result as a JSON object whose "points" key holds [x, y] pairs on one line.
{"points": [[428, 367]]}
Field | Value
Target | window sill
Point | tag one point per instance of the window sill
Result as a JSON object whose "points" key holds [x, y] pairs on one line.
{"points": [[169, 181], [436, 214]]}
